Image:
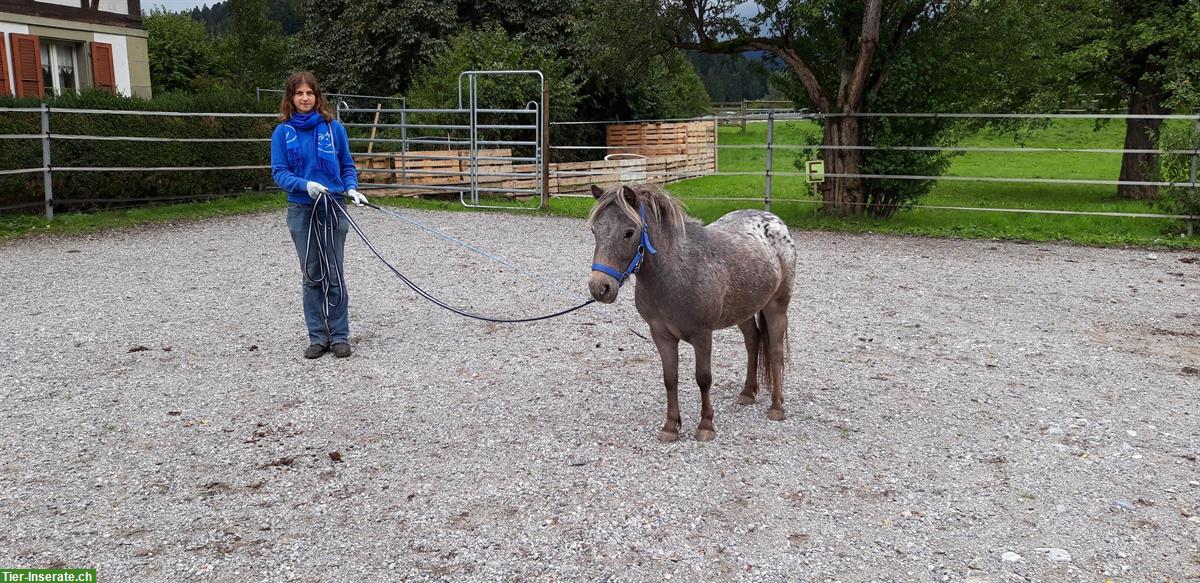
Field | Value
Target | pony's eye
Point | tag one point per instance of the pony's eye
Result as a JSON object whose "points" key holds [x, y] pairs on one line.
{"points": [[629, 233]]}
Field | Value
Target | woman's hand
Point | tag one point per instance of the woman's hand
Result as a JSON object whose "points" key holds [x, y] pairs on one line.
{"points": [[316, 189], [357, 197]]}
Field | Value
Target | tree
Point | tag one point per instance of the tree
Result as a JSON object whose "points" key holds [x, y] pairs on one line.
{"points": [[287, 14], [375, 46], [436, 85], [372, 46], [1142, 55], [254, 53], [670, 88], [218, 19], [843, 57], [180, 52], [829, 47]]}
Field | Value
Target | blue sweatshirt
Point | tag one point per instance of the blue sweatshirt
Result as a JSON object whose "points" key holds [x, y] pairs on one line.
{"points": [[294, 181]]}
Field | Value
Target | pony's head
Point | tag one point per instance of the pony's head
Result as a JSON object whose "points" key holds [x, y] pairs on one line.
{"points": [[621, 223]]}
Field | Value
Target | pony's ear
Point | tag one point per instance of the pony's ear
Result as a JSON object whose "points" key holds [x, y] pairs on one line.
{"points": [[629, 194], [597, 191]]}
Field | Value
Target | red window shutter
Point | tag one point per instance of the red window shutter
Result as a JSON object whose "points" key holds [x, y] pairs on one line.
{"points": [[27, 65], [4, 90], [103, 76]]}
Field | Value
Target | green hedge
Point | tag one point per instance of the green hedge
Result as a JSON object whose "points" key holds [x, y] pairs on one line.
{"points": [[92, 190], [1177, 168]]}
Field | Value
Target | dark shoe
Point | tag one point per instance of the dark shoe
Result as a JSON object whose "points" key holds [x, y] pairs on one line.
{"points": [[341, 350], [315, 350]]}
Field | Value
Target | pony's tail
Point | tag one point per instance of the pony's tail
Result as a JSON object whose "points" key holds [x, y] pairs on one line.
{"points": [[765, 379]]}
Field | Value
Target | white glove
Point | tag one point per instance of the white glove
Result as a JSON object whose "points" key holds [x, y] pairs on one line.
{"points": [[357, 197], [316, 189]]}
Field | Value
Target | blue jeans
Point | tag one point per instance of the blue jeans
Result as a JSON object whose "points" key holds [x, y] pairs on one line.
{"points": [[321, 247]]}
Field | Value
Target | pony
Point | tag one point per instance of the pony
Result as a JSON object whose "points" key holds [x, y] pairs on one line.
{"points": [[693, 279]]}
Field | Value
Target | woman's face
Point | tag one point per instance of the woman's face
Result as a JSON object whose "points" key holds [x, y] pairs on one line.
{"points": [[304, 100]]}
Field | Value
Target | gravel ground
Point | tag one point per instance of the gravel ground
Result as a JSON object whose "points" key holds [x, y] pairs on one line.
{"points": [[957, 411]]}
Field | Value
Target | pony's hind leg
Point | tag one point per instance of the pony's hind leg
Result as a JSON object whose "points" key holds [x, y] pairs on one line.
{"points": [[668, 352], [702, 342], [776, 324], [750, 335]]}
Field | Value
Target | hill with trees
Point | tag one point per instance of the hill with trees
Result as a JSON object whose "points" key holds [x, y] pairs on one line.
{"points": [[730, 77], [218, 18]]}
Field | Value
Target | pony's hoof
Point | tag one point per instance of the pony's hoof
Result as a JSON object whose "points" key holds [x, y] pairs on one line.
{"points": [[744, 399], [668, 436], [705, 435], [775, 415]]}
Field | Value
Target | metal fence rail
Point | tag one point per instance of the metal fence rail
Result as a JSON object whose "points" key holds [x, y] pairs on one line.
{"points": [[772, 117], [150, 113], [962, 149], [154, 139], [48, 167], [473, 130]]}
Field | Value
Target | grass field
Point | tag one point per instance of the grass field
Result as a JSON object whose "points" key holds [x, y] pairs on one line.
{"points": [[793, 199], [83, 223]]}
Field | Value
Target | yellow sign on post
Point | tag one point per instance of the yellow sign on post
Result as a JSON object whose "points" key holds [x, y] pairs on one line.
{"points": [[814, 171]]}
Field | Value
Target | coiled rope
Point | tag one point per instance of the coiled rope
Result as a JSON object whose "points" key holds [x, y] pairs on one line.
{"points": [[330, 226]]}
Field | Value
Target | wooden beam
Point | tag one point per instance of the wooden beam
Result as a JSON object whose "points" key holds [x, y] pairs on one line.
{"points": [[73, 13], [374, 126]]}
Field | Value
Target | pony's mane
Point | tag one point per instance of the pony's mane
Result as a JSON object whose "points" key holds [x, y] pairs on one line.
{"points": [[667, 210]]}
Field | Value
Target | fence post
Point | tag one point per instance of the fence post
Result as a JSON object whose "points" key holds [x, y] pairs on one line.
{"points": [[404, 145], [770, 156], [47, 174], [1191, 224], [742, 116], [473, 153], [545, 145]]}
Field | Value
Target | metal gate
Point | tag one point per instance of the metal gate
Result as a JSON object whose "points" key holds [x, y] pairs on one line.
{"points": [[479, 152]]}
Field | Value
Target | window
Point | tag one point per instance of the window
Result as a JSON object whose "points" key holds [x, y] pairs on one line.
{"points": [[45, 67], [60, 62]]}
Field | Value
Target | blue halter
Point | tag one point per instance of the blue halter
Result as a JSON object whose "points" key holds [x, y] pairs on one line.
{"points": [[636, 262]]}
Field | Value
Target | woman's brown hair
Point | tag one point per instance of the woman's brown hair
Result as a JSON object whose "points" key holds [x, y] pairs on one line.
{"points": [[294, 81]]}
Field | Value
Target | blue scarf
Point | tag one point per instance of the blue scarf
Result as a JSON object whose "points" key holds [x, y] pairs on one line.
{"points": [[326, 153]]}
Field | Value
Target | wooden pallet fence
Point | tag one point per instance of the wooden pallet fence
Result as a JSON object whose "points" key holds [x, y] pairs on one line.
{"points": [[436, 168], [365, 165], [669, 151], [578, 177], [702, 145], [696, 140], [647, 139]]}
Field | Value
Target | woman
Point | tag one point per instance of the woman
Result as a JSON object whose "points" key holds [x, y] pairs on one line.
{"points": [[310, 160]]}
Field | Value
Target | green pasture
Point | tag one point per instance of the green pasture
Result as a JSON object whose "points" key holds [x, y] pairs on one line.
{"points": [[793, 199]]}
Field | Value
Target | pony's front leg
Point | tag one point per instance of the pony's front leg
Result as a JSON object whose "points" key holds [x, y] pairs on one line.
{"points": [[668, 352], [702, 342]]}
